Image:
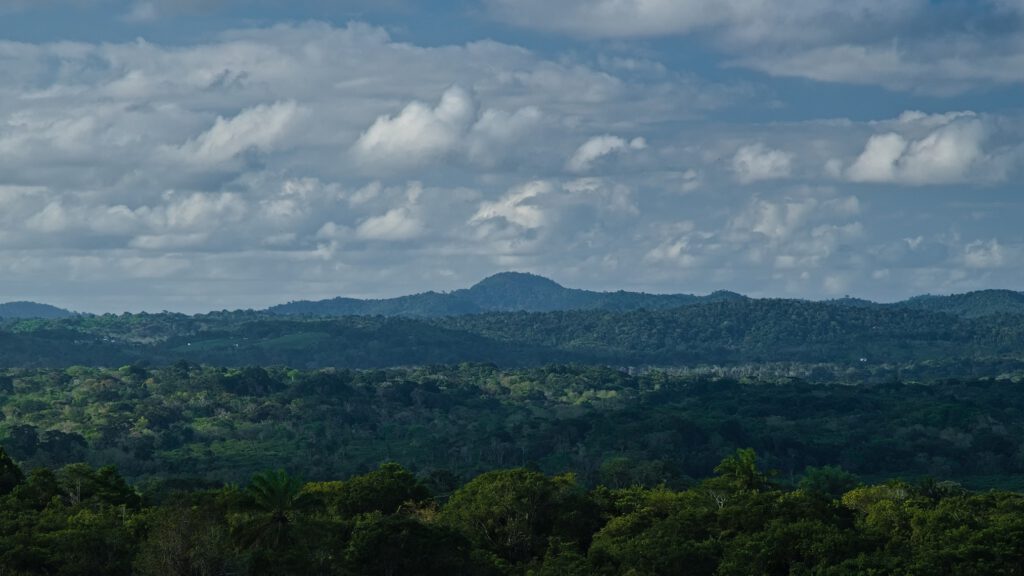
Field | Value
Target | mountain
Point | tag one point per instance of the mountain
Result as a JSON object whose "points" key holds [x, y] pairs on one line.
{"points": [[971, 304], [522, 292], [730, 331], [32, 310], [503, 292]]}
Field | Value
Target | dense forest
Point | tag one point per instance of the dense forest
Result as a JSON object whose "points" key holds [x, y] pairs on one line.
{"points": [[504, 292], [188, 424], [517, 428], [519, 292], [79, 520], [729, 332]]}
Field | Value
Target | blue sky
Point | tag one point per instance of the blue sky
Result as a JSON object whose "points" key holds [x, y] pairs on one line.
{"points": [[189, 155]]}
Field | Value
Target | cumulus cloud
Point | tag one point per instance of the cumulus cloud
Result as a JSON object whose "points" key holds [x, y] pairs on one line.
{"points": [[755, 162], [498, 133], [258, 128], [418, 133], [795, 240], [398, 223], [276, 160], [516, 207], [947, 154], [599, 147], [395, 224], [556, 204], [453, 130]]}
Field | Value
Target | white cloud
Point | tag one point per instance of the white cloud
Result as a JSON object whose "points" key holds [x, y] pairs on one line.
{"points": [[246, 152], [742, 20], [981, 255], [168, 241], [860, 41], [395, 224], [599, 147], [418, 133], [799, 233], [498, 133], [260, 128], [517, 206], [53, 218], [199, 211], [451, 131], [947, 154], [946, 65], [607, 196], [755, 162], [878, 161], [399, 223]]}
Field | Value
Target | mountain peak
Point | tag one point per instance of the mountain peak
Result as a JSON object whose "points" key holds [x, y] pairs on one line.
{"points": [[519, 280]]}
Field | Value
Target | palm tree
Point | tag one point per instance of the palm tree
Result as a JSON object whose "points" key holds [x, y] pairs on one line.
{"points": [[275, 504]]}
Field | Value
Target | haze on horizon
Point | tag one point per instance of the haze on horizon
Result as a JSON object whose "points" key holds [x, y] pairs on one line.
{"points": [[194, 156]]}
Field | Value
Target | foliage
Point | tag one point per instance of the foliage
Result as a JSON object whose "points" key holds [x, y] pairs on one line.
{"points": [[714, 330], [78, 520], [187, 426]]}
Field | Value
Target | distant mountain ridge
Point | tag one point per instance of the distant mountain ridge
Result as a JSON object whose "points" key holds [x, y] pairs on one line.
{"points": [[970, 304], [503, 292], [27, 310], [524, 292]]}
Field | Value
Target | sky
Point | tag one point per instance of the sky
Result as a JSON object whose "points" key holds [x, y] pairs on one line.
{"points": [[193, 155]]}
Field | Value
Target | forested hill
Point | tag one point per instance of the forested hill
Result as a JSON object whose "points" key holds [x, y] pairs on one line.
{"points": [[728, 332], [504, 292], [971, 304], [755, 331], [31, 310], [520, 292]]}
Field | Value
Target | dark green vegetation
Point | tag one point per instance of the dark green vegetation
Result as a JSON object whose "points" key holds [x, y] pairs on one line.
{"points": [[518, 442], [32, 310], [518, 292], [972, 304], [83, 521], [185, 423], [531, 321], [728, 332], [505, 292]]}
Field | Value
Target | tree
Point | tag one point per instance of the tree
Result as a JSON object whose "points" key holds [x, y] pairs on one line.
{"points": [[385, 490], [660, 532], [10, 474], [397, 544], [740, 472], [187, 540], [828, 481], [275, 503], [512, 513], [23, 441]]}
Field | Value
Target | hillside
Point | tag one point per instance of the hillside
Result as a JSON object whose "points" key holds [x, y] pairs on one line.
{"points": [[971, 304], [727, 332], [32, 310], [436, 471], [521, 292], [504, 292]]}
